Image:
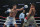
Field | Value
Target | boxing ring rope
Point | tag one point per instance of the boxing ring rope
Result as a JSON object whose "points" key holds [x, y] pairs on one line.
{"points": [[19, 20], [16, 20]]}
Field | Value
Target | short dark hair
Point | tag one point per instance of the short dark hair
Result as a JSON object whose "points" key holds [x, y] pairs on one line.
{"points": [[33, 4], [12, 5]]}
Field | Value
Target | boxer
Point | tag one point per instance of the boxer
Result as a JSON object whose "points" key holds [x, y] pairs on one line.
{"points": [[12, 14], [31, 20], [30, 17]]}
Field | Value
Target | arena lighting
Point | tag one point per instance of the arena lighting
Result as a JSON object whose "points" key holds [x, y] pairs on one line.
{"points": [[30, 3], [37, 2], [20, 4], [16, 17], [5, 5]]}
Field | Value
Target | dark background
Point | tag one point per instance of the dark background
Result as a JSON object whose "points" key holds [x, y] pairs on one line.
{"points": [[11, 2], [4, 4]]}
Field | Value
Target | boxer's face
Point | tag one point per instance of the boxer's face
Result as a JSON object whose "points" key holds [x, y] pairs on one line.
{"points": [[14, 6]]}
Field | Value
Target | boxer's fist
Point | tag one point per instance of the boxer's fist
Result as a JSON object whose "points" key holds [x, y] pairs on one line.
{"points": [[25, 20], [27, 13], [25, 6], [8, 11]]}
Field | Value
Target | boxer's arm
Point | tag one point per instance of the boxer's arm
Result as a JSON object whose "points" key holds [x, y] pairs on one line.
{"points": [[29, 13], [34, 11], [23, 24], [20, 9], [25, 6]]}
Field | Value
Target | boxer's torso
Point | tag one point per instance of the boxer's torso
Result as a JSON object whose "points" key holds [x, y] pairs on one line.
{"points": [[32, 13], [14, 12], [31, 18]]}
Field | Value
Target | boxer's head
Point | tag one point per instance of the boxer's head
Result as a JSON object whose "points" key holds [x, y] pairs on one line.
{"points": [[14, 6], [32, 5]]}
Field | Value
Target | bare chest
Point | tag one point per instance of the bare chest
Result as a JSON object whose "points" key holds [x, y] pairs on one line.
{"points": [[14, 12]]}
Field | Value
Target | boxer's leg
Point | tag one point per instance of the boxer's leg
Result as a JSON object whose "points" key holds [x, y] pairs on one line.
{"points": [[34, 24], [14, 23], [4, 25], [28, 24], [25, 24], [22, 21], [7, 23]]}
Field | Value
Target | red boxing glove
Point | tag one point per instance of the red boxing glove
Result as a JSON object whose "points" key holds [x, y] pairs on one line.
{"points": [[25, 17]]}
